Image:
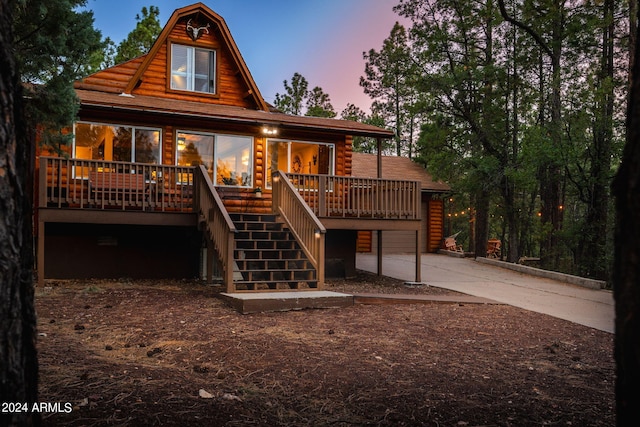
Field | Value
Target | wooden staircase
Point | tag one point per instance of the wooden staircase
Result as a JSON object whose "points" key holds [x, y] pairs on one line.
{"points": [[267, 256]]}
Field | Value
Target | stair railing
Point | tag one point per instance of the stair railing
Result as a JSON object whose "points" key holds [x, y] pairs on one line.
{"points": [[303, 223], [218, 224]]}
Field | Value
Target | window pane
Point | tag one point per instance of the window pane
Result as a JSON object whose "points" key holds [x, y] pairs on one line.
{"points": [[194, 150], [90, 141], [233, 160], [278, 158], [204, 70], [181, 67], [192, 69], [147, 146], [121, 144], [325, 159], [103, 142]]}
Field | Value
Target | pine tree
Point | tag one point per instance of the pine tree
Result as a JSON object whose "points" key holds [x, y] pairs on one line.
{"points": [[18, 358], [55, 44], [141, 38], [293, 100]]}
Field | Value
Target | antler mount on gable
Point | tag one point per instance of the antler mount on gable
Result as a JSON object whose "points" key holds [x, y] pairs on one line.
{"points": [[194, 31]]}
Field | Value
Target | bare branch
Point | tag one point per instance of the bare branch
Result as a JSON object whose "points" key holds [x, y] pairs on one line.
{"points": [[526, 28]]}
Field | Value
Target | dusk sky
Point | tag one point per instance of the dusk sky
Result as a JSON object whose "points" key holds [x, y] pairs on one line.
{"points": [[321, 39]]}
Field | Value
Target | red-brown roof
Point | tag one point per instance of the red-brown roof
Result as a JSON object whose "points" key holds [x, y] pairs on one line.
{"points": [[366, 166], [150, 104]]}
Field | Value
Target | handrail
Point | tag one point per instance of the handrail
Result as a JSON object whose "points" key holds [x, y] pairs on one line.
{"points": [[352, 197], [98, 184], [220, 229], [303, 223]]}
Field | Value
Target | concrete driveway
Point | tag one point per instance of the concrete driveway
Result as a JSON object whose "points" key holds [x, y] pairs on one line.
{"points": [[588, 307]]}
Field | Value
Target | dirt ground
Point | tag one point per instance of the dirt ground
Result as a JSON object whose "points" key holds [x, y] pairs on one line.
{"points": [[147, 353]]}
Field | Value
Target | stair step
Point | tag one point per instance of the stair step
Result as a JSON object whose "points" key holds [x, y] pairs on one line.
{"points": [[251, 217], [270, 286], [284, 245], [264, 235], [268, 257], [284, 264]]}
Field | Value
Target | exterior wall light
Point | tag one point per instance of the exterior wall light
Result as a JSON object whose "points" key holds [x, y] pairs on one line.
{"points": [[269, 130]]}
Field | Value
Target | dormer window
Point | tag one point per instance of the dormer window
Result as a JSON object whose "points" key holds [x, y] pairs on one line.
{"points": [[193, 69]]}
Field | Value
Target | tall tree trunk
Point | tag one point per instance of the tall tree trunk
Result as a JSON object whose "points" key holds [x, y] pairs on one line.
{"points": [[598, 206], [483, 198], [18, 361], [633, 26], [626, 268], [551, 172], [551, 185]]}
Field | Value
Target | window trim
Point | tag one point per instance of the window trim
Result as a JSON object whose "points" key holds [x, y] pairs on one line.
{"points": [[133, 138], [215, 70], [289, 142], [215, 160]]}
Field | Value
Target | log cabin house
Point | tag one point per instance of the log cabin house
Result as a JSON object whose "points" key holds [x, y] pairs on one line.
{"points": [[180, 169]]}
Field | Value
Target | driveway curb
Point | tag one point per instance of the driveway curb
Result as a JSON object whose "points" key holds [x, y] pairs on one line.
{"points": [[554, 275]]}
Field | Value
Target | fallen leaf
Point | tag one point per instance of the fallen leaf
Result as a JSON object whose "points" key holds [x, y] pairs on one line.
{"points": [[205, 394], [229, 396]]}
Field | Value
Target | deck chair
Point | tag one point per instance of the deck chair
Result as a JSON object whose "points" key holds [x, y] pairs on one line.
{"points": [[493, 248], [451, 245]]}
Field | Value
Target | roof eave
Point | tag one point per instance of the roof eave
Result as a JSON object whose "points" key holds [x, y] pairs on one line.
{"points": [[249, 121]]}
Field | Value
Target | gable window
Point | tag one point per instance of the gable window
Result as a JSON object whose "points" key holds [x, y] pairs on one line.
{"points": [[299, 157], [193, 69], [227, 158]]}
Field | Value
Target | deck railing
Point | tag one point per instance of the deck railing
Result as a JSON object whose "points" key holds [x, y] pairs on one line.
{"points": [[303, 223], [218, 224], [91, 184], [351, 197]]}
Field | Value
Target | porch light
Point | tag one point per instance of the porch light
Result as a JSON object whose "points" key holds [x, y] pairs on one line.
{"points": [[269, 130], [317, 234]]}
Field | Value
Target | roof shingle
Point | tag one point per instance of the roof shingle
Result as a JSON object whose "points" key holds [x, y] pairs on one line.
{"points": [[393, 167]]}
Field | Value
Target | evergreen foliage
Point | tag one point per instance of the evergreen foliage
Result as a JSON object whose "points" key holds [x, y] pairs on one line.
{"points": [[55, 44], [141, 38], [518, 107]]}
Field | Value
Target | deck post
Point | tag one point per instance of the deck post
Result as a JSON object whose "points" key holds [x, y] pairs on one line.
{"points": [[40, 254], [418, 258], [228, 273], [322, 196], [379, 166], [210, 260], [379, 252], [321, 261]]}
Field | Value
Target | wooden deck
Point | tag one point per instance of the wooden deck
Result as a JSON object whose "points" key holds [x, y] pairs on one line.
{"points": [[100, 192]]}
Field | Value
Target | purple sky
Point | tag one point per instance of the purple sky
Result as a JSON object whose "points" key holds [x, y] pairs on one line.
{"points": [[321, 39]]}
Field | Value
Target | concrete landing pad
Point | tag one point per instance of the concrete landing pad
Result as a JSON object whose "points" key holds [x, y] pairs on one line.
{"points": [[257, 302]]}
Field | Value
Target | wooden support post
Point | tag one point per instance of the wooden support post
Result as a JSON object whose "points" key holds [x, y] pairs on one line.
{"points": [[379, 142], [40, 253], [228, 273], [321, 261], [379, 252], [210, 261], [379, 174], [322, 196], [418, 257]]}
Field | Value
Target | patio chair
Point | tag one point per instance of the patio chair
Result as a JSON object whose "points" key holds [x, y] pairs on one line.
{"points": [[451, 245], [493, 248]]}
